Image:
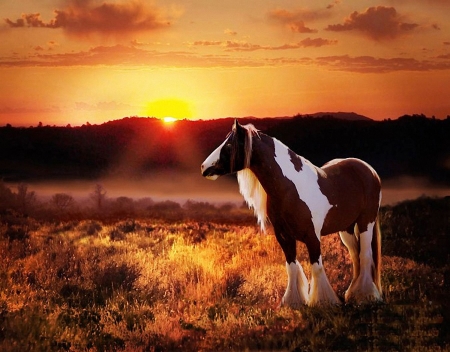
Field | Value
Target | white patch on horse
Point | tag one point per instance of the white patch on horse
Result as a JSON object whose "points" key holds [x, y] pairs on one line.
{"points": [[296, 293], [306, 183], [212, 159], [321, 290]]}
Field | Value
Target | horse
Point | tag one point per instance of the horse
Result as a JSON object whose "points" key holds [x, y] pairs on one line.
{"points": [[304, 202]]}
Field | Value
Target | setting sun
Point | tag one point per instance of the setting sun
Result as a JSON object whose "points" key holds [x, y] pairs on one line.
{"points": [[169, 119], [169, 110], [72, 62]]}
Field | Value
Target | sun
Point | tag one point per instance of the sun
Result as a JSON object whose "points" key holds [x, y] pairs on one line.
{"points": [[169, 110], [169, 119]]}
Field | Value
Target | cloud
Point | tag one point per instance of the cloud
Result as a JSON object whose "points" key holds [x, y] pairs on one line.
{"points": [[231, 45], [206, 43], [86, 17], [230, 32], [102, 106], [30, 20], [29, 110], [126, 56], [316, 42], [295, 20], [129, 56], [370, 64], [378, 23], [333, 4]]}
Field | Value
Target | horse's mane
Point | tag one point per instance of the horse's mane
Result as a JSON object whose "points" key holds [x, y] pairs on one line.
{"points": [[249, 185]]}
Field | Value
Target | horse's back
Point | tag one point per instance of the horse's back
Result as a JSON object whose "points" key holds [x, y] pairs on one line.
{"points": [[352, 167], [353, 187]]}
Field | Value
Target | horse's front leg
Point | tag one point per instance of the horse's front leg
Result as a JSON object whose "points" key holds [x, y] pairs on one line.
{"points": [[296, 293], [320, 291]]}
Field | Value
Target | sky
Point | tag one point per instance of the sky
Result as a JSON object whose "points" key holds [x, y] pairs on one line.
{"points": [[76, 61]]}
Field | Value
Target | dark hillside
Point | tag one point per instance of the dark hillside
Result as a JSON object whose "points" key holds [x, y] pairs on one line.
{"points": [[411, 145]]}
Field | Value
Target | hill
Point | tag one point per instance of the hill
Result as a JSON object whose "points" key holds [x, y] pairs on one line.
{"points": [[350, 116], [136, 147]]}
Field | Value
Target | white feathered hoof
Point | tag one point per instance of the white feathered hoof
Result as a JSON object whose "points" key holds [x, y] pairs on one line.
{"points": [[296, 294], [363, 291]]}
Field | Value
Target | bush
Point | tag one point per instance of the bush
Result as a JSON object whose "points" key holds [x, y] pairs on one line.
{"points": [[115, 276]]}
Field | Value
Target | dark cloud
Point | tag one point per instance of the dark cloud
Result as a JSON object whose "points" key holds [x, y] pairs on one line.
{"points": [[86, 17], [316, 42], [333, 4], [378, 23], [30, 20]]}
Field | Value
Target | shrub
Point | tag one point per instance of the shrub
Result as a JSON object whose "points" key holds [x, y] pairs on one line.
{"points": [[90, 228], [115, 276]]}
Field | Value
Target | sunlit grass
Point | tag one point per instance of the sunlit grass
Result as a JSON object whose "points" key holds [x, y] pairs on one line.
{"points": [[150, 285]]}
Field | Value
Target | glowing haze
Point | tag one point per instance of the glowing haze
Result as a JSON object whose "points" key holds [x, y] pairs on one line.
{"points": [[73, 61]]}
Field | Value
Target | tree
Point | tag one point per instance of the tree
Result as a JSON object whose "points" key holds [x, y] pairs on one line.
{"points": [[62, 201], [6, 196], [25, 199], [98, 196], [123, 205]]}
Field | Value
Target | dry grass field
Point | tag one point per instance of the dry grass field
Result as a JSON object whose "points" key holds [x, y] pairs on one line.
{"points": [[155, 285]]}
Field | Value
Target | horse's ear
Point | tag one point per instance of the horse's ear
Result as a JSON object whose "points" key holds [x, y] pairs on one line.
{"points": [[235, 124]]}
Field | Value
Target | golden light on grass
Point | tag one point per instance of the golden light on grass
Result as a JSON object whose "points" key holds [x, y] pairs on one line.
{"points": [[203, 285]]}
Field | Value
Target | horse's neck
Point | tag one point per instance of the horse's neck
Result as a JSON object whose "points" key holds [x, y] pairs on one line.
{"points": [[271, 159], [266, 160]]}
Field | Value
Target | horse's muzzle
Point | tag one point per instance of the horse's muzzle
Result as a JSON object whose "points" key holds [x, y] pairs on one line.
{"points": [[210, 173]]}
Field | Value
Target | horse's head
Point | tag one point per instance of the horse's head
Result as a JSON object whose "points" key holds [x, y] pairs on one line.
{"points": [[232, 155]]}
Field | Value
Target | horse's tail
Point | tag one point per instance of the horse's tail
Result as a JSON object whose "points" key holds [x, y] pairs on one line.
{"points": [[376, 253]]}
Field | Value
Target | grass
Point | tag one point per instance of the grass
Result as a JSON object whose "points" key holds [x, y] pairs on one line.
{"points": [[151, 285]]}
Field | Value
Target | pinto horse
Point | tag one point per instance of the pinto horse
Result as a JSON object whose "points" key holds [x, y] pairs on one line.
{"points": [[303, 203]]}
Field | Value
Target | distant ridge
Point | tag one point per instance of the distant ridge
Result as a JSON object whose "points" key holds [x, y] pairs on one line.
{"points": [[350, 116], [141, 147]]}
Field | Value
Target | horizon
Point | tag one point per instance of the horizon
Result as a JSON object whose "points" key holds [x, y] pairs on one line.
{"points": [[71, 62], [169, 120]]}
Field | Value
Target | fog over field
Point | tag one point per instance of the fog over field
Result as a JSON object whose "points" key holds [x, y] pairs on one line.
{"points": [[182, 187]]}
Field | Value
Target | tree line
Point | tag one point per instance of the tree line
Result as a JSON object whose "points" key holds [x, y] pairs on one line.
{"points": [[22, 201], [410, 145]]}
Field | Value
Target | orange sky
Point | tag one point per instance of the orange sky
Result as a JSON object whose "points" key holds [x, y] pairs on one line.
{"points": [[73, 61]]}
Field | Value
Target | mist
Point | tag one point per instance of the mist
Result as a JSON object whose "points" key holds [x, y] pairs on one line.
{"points": [[180, 187], [177, 187]]}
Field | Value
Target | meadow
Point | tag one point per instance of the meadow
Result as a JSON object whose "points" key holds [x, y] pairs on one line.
{"points": [[206, 279]]}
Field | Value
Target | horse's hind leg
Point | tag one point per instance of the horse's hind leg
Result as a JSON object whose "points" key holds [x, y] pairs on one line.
{"points": [[364, 288], [351, 241]]}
